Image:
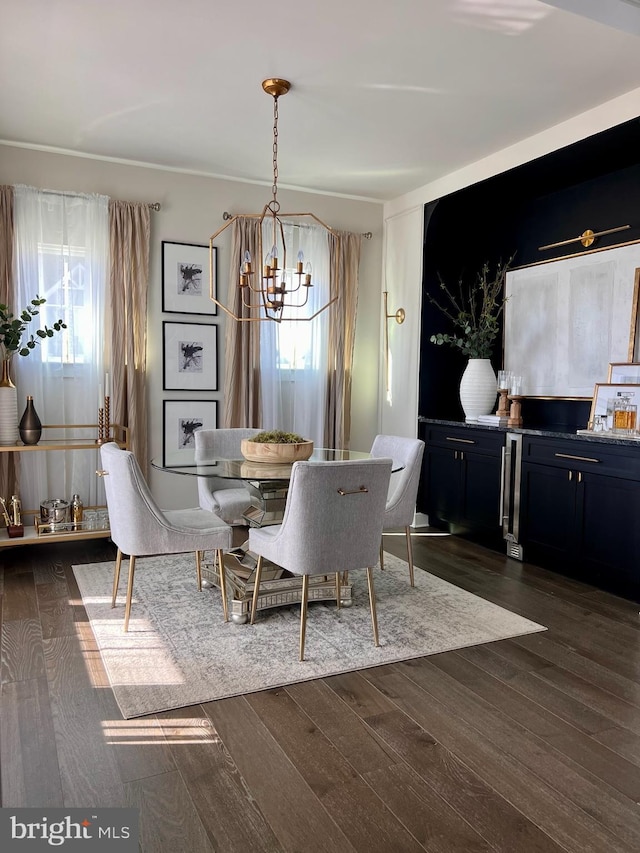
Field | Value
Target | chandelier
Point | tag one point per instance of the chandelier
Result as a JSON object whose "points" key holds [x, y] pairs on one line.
{"points": [[270, 288]]}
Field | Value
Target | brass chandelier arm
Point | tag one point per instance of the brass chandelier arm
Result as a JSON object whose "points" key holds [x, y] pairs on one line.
{"points": [[587, 238]]}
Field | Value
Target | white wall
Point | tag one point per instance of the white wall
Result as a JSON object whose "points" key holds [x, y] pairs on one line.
{"points": [[192, 208], [399, 369]]}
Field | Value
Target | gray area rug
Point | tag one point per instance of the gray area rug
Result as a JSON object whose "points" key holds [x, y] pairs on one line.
{"points": [[179, 652]]}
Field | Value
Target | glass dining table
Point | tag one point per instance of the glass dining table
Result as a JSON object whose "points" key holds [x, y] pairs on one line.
{"points": [[266, 482], [267, 485]]}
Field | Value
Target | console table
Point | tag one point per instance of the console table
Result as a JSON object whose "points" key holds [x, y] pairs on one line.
{"points": [[75, 438]]}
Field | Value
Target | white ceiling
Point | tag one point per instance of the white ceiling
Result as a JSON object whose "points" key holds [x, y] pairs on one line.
{"points": [[386, 96]]}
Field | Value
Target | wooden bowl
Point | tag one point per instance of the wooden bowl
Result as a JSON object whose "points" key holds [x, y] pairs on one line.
{"points": [[255, 451]]}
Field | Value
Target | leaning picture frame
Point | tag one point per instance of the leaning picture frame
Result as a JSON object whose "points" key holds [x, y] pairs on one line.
{"points": [[605, 391], [186, 277], [620, 372], [189, 356], [181, 419]]}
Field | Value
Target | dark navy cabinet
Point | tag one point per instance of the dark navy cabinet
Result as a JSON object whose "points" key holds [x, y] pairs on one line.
{"points": [[580, 510], [461, 478]]}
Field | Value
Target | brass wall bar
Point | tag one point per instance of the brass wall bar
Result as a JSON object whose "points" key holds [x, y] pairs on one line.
{"points": [[586, 238]]}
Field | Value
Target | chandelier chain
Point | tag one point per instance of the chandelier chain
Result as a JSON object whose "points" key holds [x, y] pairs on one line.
{"points": [[274, 204]]}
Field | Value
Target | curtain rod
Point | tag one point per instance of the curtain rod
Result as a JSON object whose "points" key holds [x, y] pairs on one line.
{"points": [[152, 205], [226, 216]]}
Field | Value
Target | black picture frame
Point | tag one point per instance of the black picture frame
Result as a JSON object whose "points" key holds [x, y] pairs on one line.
{"points": [[186, 284], [180, 420], [189, 356]]}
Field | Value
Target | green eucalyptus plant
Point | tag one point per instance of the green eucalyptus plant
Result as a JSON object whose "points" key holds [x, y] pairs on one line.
{"points": [[474, 312], [12, 330]]}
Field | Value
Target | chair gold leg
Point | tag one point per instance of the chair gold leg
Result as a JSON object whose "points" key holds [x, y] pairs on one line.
{"points": [[199, 569], [337, 590], [127, 608], [407, 531], [372, 603], [116, 577], [381, 556], [223, 583], [256, 590], [303, 613]]}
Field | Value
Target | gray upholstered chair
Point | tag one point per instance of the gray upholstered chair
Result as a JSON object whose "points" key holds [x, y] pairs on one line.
{"points": [[140, 529], [403, 488], [332, 523], [226, 498]]}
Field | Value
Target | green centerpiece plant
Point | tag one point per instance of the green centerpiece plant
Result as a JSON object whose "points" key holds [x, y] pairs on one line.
{"points": [[276, 446], [277, 436]]}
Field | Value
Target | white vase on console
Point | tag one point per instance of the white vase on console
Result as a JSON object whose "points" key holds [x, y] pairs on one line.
{"points": [[8, 407], [478, 389]]}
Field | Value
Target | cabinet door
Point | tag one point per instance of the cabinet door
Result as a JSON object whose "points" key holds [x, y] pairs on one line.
{"points": [[442, 484], [609, 549], [548, 516], [480, 494]]}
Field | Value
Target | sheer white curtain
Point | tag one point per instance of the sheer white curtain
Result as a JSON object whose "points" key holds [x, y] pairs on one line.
{"points": [[293, 355], [62, 255]]}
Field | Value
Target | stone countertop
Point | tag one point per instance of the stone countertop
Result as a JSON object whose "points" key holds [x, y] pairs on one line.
{"points": [[606, 438]]}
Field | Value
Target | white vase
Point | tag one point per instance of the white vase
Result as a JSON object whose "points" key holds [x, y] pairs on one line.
{"points": [[8, 408], [478, 389]]}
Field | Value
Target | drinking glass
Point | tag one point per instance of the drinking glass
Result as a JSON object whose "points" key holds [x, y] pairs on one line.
{"points": [[90, 518]]}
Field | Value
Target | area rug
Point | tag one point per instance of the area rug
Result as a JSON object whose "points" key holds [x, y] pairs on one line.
{"points": [[180, 652]]}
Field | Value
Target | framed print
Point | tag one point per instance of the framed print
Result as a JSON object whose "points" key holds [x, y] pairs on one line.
{"points": [[180, 421], [185, 278], [601, 405], [628, 374], [564, 320], [190, 356]]}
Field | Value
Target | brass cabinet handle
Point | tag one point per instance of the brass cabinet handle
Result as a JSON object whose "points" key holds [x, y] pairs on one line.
{"points": [[579, 458], [361, 491], [102, 473], [461, 440], [570, 476], [579, 476]]}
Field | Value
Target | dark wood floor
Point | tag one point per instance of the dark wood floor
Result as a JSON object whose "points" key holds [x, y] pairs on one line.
{"points": [[522, 746]]}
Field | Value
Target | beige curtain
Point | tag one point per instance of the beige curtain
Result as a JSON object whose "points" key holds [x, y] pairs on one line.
{"points": [[242, 339], [344, 254], [129, 232], [9, 462]]}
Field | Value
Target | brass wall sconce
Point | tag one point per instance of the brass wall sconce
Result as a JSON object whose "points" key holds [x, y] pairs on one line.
{"points": [[399, 317], [587, 238]]}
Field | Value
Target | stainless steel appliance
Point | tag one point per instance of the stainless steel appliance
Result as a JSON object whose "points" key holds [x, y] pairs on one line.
{"points": [[510, 494]]}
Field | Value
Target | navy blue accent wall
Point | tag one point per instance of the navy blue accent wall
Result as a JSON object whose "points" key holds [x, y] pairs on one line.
{"points": [[592, 184]]}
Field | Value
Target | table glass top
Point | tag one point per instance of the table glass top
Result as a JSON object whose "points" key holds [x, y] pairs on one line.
{"points": [[240, 469]]}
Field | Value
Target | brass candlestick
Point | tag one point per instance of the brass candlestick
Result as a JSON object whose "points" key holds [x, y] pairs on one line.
{"points": [[107, 421], [104, 424]]}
